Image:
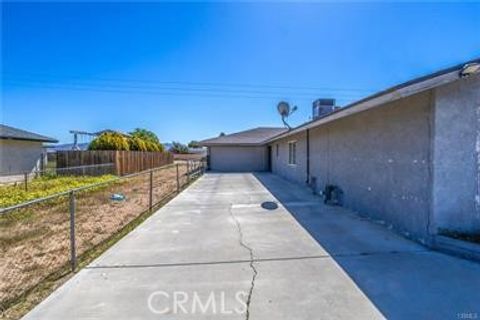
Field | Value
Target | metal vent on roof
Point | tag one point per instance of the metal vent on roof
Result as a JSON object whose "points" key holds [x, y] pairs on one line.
{"points": [[321, 107]]}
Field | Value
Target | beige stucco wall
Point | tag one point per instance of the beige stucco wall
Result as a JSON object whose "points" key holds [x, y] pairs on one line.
{"points": [[18, 156], [238, 159], [413, 163], [297, 172], [380, 158], [456, 191]]}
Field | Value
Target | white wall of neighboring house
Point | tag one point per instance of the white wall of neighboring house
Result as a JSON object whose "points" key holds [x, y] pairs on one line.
{"points": [[18, 156]]}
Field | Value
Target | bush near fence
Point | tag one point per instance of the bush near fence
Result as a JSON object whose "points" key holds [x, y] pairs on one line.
{"points": [[51, 236], [125, 162], [44, 186]]}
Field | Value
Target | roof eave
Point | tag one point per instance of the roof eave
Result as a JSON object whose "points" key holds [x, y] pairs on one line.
{"points": [[233, 144], [29, 139], [402, 91]]}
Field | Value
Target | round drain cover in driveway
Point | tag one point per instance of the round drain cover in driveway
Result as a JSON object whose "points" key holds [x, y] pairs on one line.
{"points": [[269, 205]]}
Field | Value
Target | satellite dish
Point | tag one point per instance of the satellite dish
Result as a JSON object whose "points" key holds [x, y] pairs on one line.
{"points": [[284, 111], [283, 108]]}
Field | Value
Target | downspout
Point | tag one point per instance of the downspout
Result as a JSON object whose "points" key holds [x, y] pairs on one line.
{"points": [[308, 157], [431, 115], [208, 157]]}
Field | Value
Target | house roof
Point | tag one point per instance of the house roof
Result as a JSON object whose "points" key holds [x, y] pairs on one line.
{"points": [[252, 137], [402, 90], [7, 132]]}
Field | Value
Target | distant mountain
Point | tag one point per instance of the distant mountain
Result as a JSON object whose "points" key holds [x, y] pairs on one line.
{"points": [[167, 145], [67, 147]]}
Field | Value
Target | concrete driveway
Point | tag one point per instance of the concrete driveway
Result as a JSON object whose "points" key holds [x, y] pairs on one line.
{"points": [[240, 246]]}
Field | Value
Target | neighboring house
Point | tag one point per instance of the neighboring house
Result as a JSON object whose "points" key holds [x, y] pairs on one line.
{"points": [[408, 156], [21, 151], [242, 151]]}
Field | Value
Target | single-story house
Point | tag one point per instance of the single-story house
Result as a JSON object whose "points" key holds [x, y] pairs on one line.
{"points": [[408, 155], [21, 151]]}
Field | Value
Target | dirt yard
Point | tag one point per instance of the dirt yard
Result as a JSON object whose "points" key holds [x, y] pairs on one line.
{"points": [[34, 241]]}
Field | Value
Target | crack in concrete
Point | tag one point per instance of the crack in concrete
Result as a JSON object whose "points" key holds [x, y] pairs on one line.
{"points": [[252, 265]]}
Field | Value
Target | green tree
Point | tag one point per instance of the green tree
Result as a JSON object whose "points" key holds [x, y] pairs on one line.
{"points": [[150, 138], [178, 147], [145, 134], [194, 144], [155, 147], [137, 144], [109, 141]]}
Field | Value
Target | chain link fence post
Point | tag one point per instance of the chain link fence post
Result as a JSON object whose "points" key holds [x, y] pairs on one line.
{"points": [[73, 248], [25, 178], [178, 179], [150, 200]]}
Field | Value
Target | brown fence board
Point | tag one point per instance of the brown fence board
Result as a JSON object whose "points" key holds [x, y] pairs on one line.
{"points": [[125, 162]]}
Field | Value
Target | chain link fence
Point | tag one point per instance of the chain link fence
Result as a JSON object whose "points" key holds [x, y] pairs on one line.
{"points": [[54, 235], [24, 179]]}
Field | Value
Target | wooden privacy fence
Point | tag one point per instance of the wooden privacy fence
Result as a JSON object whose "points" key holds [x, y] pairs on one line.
{"points": [[123, 162]]}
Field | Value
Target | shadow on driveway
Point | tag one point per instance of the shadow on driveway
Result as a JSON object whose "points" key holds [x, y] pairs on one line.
{"points": [[402, 278]]}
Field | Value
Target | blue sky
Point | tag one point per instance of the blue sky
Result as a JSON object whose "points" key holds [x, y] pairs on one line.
{"points": [[191, 70]]}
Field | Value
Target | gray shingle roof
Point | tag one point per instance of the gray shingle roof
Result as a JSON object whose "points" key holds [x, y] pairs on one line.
{"points": [[7, 132], [256, 136]]}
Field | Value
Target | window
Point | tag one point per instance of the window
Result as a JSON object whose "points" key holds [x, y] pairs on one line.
{"points": [[292, 152], [276, 150]]}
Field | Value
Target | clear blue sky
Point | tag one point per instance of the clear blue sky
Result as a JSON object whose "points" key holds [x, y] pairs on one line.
{"points": [[191, 70]]}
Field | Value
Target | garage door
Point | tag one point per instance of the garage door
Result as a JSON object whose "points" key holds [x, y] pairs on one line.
{"points": [[238, 159]]}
